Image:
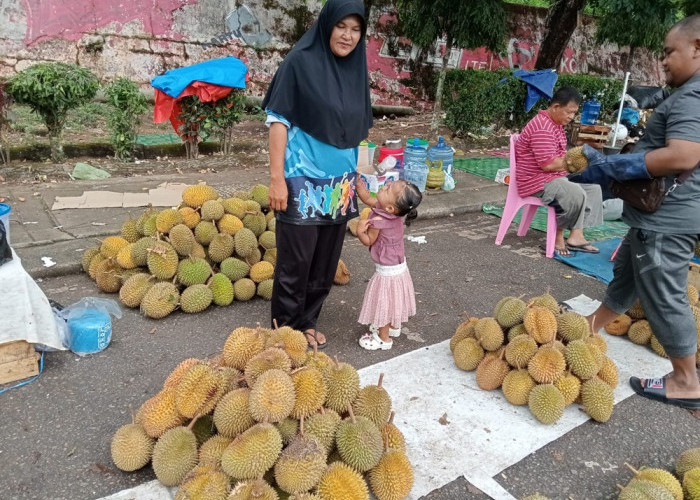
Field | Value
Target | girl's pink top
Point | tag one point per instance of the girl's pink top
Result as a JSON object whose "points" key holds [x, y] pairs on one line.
{"points": [[388, 248]]}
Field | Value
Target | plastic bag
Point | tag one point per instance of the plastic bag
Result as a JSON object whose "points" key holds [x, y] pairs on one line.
{"points": [[89, 324], [449, 182], [5, 250]]}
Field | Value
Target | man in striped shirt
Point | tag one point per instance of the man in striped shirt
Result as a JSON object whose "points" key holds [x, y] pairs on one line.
{"points": [[539, 155]]}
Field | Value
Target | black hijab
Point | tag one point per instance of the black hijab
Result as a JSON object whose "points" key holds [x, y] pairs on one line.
{"points": [[324, 95]]}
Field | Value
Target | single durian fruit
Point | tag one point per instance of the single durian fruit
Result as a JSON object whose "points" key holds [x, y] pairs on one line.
{"points": [[636, 311], [175, 376], [204, 232], [340, 481], [124, 258], [221, 289], [107, 276], [211, 450], [160, 300], [309, 391], [162, 260], [110, 246], [254, 257], [234, 206], [300, 465], [491, 372], [575, 161], [583, 359], [392, 477], [203, 429], [234, 268], [572, 326], [204, 482], [212, 210], [317, 359], [142, 219], [392, 437], [131, 447], [264, 289], [489, 334], [373, 402], [195, 196], [195, 298], [246, 242], [547, 365], [229, 224], [262, 271], [149, 226], [546, 403], [129, 231], [619, 326], [687, 460], [268, 240], [292, 341], [182, 239], [174, 455], [199, 390], [159, 413], [270, 358], [608, 372], [271, 223], [510, 312], [270, 256], [244, 289], [272, 396], [463, 331], [323, 426], [288, 429], [256, 222], [691, 484], [520, 350], [516, 331], [343, 385], [190, 216], [660, 476], [468, 353], [88, 254], [139, 250], [167, 219], [598, 341], [640, 332], [639, 489], [259, 194], [241, 345], [257, 489], [540, 323], [657, 347], [220, 247], [570, 387], [232, 413], [547, 301], [133, 290], [598, 399], [342, 274], [128, 273], [517, 385], [193, 271], [253, 452]]}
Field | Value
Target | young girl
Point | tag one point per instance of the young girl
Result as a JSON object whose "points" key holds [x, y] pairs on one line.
{"points": [[389, 298]]}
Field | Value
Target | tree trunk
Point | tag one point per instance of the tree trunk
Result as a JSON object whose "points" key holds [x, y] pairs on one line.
{"points": [[561, 22], [437, 109], [630, 57]]}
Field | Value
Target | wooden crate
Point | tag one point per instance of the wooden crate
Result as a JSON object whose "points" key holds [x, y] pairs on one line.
{"points": [[694, 275], [18, 360], [594, 135]]}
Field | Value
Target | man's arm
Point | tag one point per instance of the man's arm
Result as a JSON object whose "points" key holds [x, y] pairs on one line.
{"points": [[557, 165], [277, 195], [675, 158]]}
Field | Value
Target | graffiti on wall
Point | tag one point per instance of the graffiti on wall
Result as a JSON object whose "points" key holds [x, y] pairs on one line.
{"points": [[242, 24]]}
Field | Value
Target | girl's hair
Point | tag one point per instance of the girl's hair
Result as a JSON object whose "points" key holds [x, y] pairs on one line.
{"points": [[407, 203]]}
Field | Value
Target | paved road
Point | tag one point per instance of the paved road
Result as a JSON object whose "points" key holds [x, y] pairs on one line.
{"points": [[54, 441]]}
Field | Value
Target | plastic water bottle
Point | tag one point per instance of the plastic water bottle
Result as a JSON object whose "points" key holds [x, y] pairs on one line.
{"points": [[415, 164], [591, 109], [441, 155]]}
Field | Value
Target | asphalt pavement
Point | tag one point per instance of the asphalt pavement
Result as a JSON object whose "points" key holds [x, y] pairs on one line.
{"points": [[54, 441]]}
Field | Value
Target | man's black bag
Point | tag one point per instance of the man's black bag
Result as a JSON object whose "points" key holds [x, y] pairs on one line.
{"points": [[5, 251]]}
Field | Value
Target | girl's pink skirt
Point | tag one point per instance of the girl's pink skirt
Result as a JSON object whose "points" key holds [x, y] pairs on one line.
{"points": [[389, 298]]}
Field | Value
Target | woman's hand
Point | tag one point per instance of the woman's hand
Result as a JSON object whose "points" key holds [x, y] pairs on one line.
{"points": [[277, 195]]}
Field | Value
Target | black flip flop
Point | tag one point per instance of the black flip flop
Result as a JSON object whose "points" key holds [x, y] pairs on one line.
{"points": [[314, 336], [655, 389], [582, 248]]}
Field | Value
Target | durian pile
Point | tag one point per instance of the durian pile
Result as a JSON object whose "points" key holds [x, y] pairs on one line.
{"points": [[264, 420], [539, 356], [207, 251], [637, 328], [661, 484]]}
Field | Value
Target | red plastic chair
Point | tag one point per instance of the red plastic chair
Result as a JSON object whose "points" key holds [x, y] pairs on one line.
{"points": [[514, 202]]}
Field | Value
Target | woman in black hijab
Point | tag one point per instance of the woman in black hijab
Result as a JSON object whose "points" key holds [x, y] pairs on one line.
{"points": [[319, 109]]}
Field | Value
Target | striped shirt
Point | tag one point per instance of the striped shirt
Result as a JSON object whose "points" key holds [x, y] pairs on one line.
{"points": [[541, 142]]}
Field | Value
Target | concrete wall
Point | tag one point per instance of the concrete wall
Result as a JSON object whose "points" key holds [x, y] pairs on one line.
{"points": [[141, 40]]}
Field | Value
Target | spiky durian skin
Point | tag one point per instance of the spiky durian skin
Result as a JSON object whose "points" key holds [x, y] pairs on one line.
{"points": [[160, 300], [211, 450], [272, 396], [374, 403], [221, 289], [638, 489], [174, 455], [598, 399], [341, 482], [517, 386], [392, 477], [198, 391], [204, 483], [195, 196], [241, 345], [546, 403], [691, 483], [323, 426], [134, 289], [253, 452], [343, 384], [310, 391], [159, 413], [359, 443], [257, 489], [687, 460], [131, 447], [468, 353], [300, 465]]}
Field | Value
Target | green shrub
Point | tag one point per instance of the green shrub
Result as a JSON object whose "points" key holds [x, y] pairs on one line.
{"points": [[127, 103], [51, 90], [474, 99]]}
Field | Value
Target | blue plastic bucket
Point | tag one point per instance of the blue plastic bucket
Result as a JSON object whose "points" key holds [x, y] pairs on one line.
{"points": [[5, 218], [91, 332]]}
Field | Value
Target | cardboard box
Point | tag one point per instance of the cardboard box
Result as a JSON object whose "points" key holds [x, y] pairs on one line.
{"points": [[503, 175], [694, 275], [373, 181], [18, 360]]}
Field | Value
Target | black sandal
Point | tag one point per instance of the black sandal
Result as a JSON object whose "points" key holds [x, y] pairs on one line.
{"points": [[314, 335]]}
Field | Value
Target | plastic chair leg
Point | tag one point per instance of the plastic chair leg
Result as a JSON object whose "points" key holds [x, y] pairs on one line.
{"points": [[551, 232], [528, 214], [506, 219]]}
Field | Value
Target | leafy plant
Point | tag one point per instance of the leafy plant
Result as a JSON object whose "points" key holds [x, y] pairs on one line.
{"points": [[51, 90], [221, 117], [5, 101], [127, 105], [192, 112]]}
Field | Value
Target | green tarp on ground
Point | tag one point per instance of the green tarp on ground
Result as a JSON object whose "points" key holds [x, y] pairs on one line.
{"points": [[486, 166], [158, 139]]}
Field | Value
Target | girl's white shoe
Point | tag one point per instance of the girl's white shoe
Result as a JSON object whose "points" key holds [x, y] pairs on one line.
{"points": [[393, 332], [372, 342]]}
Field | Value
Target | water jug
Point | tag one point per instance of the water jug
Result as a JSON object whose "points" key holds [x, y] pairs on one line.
{"points": [[591, 109], [415, 164], [90, 332]]}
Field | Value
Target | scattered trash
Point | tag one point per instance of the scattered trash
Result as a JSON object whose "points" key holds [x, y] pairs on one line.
{"points": [[417, 239], [22, 199], [443, 420], [84, 170], [31, 222], [48, 262], [153, 330], [99, 223]]}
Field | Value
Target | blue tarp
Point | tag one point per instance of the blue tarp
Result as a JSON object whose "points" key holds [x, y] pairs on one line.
{"points": [[226, 71], [539, 84]]}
